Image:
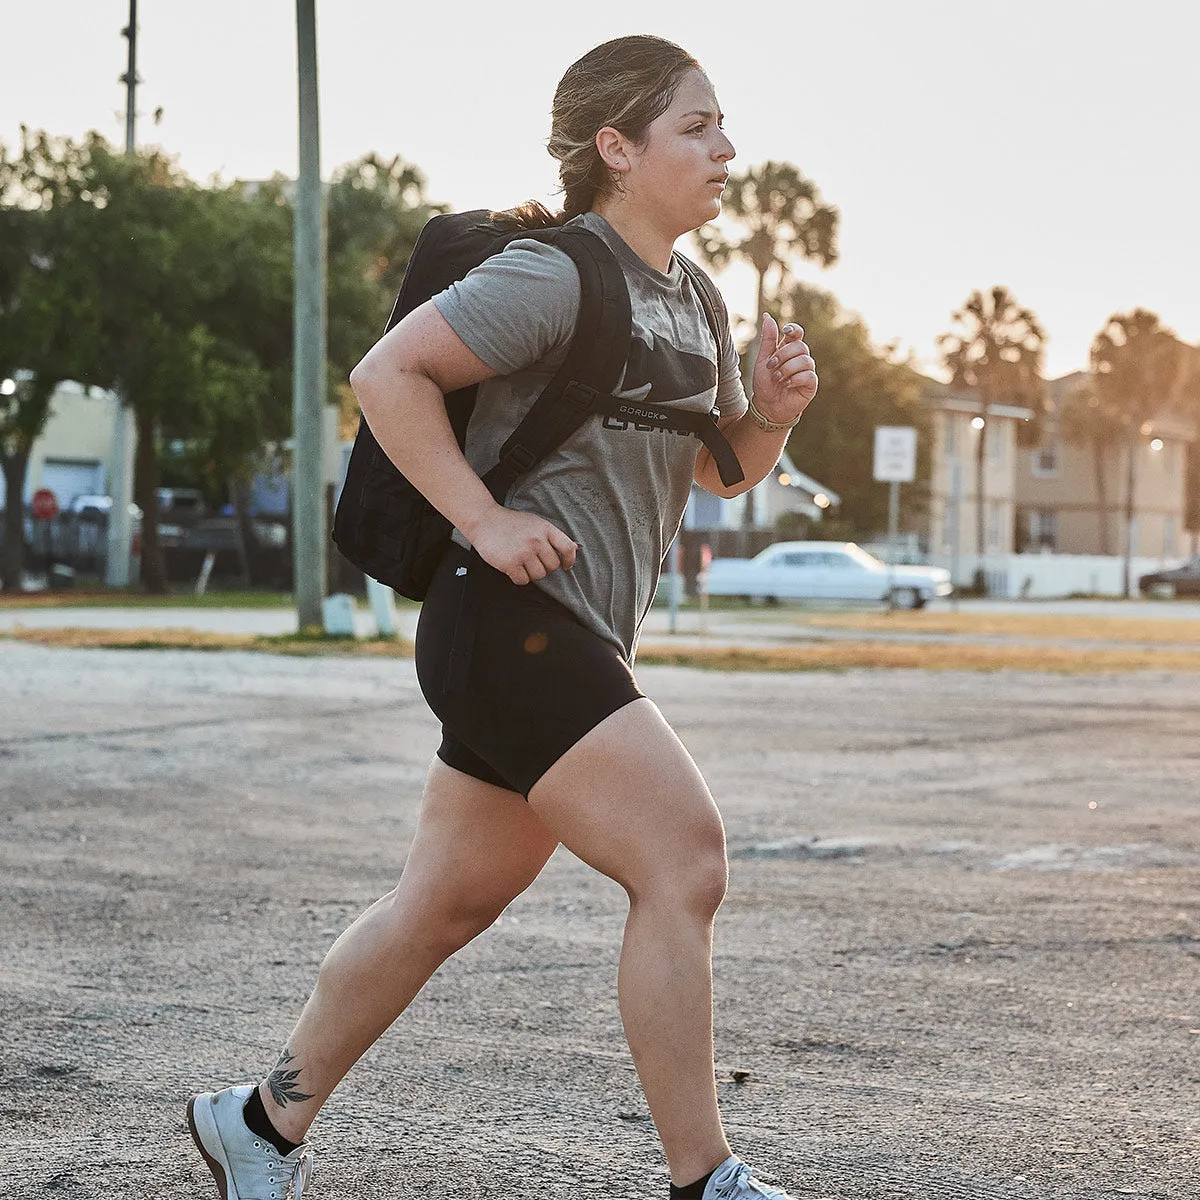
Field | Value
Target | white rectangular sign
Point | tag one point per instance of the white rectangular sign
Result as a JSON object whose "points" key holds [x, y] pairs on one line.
{"points": [[895, 454]]}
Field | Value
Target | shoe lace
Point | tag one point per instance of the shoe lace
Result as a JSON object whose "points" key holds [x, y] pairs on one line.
{"points": [[737, 1180], [295, 1172]]}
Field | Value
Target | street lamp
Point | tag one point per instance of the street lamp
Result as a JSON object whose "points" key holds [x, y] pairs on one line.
{"points": [[8, 387]]}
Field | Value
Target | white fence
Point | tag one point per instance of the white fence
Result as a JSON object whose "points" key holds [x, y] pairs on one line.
{"points": [[1049, 576]]}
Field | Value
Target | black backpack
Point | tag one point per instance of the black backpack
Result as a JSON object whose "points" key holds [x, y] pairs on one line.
{"points": [[387, 528]]}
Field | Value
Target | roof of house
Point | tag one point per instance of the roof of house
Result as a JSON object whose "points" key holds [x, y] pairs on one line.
{"points": [[797, 478]]}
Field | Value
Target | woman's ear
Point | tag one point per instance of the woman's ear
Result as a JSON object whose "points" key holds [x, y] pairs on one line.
{"points": [[611, 146]]}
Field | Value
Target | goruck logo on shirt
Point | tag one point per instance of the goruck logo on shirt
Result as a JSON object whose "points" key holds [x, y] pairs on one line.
{"points": [[657, 373]]}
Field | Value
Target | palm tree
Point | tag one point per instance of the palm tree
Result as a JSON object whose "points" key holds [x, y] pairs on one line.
{"points": [[1086, 420], [1139, 369], [997, 351], [778, 217]]}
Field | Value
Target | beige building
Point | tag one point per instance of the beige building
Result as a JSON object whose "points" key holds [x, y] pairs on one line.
{"points": [[71, 455], [1059, 491], [957, 426]]}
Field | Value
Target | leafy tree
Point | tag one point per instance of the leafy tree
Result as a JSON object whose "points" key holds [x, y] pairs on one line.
{"points": [[118, 270], [1189, 403], [1085, 419], [42, 330], [143, 252], [1139, 370], [778, 217], [861, 387], [376, 210], [997, 350]]}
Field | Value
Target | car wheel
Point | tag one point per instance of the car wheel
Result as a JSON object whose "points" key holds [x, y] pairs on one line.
{"points": [[905, 597]]}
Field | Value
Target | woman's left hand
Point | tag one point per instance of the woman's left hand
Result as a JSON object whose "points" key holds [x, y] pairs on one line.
{"points": [[785, 376]]}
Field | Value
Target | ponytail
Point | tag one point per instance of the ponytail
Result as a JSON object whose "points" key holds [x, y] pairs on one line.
{"points": [[530, 215]]}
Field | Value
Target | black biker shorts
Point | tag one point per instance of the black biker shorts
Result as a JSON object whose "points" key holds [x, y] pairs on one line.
{"points": [[514, 677]]}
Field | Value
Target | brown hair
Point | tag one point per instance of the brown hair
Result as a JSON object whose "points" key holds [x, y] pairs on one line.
{"points": [[626, 84]]}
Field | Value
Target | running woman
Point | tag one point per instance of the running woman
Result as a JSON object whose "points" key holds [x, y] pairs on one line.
{"points": [[552, 741]]}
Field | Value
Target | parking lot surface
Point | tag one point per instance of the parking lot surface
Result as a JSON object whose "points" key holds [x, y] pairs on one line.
{"points": [[960, 955]]}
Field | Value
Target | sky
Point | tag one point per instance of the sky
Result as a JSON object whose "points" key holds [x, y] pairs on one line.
{"points": [[1046, 145]]}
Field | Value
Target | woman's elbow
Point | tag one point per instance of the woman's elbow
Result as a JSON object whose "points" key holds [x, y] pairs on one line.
{"points": [[360, 378]]}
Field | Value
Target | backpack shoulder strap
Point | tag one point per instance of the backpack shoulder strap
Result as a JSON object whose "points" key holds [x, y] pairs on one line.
{"points": [[593, 364], [710, 301]]}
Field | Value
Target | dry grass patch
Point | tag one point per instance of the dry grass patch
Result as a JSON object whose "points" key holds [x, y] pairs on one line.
{"points": [[1062, 626], [306, 643], [841, 656]]}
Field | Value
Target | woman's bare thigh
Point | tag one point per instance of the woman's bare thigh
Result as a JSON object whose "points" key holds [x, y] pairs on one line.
{"points": [[476, 846], [629, 800]]}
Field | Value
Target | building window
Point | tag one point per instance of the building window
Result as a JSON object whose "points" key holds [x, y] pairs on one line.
{"points": [[994, 513], [994, 432], [1045, 461], [951, 435], [1170, 536], [1043, 529]]}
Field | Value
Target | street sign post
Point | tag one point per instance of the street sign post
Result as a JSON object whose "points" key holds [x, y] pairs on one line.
{"points": [[895, 453], [43, 506], [895, 463]]}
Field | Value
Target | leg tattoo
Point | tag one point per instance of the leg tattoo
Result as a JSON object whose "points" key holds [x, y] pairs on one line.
{"points": [[281, 1081]]}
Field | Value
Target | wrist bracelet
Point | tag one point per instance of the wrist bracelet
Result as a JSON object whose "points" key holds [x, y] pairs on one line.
{"points": [[769, 426]]}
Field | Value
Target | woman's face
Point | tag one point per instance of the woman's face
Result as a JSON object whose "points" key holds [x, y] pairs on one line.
{"points": [[677, 175]]}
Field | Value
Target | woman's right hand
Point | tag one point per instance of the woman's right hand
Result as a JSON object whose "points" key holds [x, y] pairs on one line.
{"points": [[524, 546]]}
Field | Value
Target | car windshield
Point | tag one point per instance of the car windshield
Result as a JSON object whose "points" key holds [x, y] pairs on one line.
{"points": [[861, 557]]}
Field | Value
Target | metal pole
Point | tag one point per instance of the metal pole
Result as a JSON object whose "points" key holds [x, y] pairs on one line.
{"points": [[1131, 529], [676, 579], [956, 509], [120, 467], [893, 530], [308, 391]]}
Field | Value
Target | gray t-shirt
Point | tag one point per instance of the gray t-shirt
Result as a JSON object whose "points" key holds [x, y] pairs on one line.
{"points": [[617, 489]]}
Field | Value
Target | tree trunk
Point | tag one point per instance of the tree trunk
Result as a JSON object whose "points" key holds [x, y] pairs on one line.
{"points": [[1101, 495], [154, 572], [1130, 511], [12, 562]]}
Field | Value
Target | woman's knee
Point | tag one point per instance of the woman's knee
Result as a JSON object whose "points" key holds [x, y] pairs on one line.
{"points": [[692, 877], [446, 923]]}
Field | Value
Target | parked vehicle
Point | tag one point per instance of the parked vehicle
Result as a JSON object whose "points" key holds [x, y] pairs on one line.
{"points": [[1183, 580], [826, 571]]}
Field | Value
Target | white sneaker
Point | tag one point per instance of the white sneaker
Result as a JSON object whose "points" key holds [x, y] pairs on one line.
{"points": [[244, 1165], [733, 1180]]}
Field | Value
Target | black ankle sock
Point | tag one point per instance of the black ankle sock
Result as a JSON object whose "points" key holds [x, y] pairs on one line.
{"points": [[691, 1191], [258, 1122]]}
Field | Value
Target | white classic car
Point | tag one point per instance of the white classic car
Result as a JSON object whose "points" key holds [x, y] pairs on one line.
{"points": [[825, 571]]}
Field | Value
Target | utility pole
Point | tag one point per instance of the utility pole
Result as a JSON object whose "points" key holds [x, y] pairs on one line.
{"points": [[120, 467], [308, 389]]}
